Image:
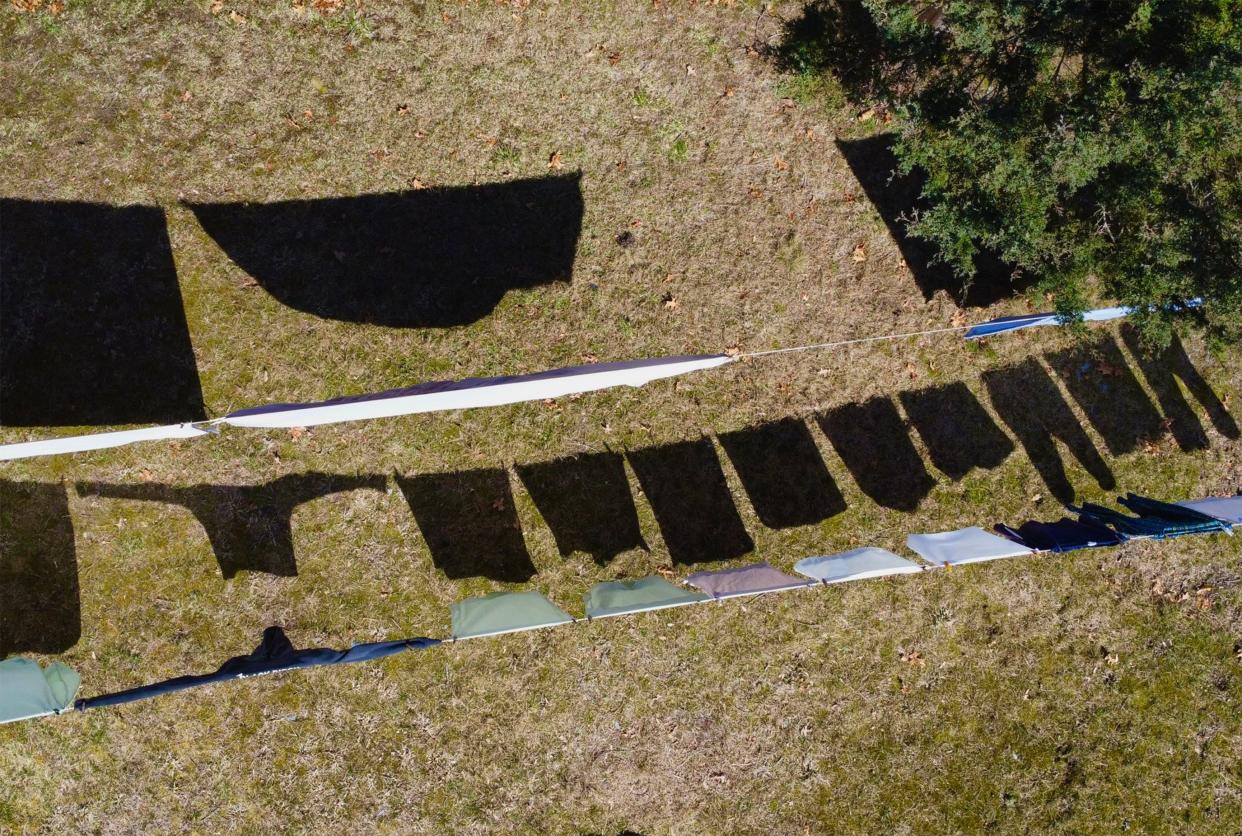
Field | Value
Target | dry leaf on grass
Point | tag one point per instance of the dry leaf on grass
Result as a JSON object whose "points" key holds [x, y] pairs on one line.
{"points": [[860, 253], [554, 161]]}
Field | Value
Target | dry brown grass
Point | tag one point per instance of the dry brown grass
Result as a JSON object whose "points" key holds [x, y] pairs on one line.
{"points": [[1078, 693]]}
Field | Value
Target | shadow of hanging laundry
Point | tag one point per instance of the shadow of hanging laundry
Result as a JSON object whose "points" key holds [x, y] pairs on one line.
{"points": [[1162, 371], [470, 524], [425, 258], [1099, 379], [958, 432], [586, 501], [92, 328], [783, 473], [691, 500], [250, 527], [875, 445], [1028, 401], [40, 608], [897, 197]]}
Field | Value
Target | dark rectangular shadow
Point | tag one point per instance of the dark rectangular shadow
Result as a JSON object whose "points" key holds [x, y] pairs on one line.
{"points": [[1028, 401], [958, 432], [470, 523], [1162, 370], [40, 607], [873, 441], [897, 197], [92, 328], [1099, 379], [250, 527], [783, 473], [688, 493], [428, 258], [586, 502]]}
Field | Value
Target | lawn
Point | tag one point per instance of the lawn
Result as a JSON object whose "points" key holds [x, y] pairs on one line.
{"points": [[675, 193]]}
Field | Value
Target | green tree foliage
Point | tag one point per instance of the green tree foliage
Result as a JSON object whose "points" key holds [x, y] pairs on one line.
{"points": [[1095, 145]]}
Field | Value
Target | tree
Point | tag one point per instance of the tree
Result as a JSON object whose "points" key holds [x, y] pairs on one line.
{"points": [[1095, 145]]}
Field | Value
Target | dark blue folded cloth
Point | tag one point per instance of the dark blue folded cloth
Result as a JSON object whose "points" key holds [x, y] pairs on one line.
{"points": [[1149, 524], [1064, 535]]}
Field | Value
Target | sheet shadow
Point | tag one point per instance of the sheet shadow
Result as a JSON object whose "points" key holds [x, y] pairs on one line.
{"points": [[1162, 370], [783, 473], [690, 497], [1028, 401], [587, 504], [873, 441], [250, 527], [93, 331], [1100, 381], [470, 524], [40, 605], [897, 197], [424, 258], [958, 432]]}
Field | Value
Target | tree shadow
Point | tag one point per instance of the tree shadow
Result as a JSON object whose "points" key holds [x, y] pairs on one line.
{"points": [[40, 606], [587, 504], [958, 432], [425, 258], [783, 473], [1028, 401], [1162, 370], [93, 331], [873, 441], [250, 527], [470, 524], [690, 497], [1100, 380], [898, 197]]}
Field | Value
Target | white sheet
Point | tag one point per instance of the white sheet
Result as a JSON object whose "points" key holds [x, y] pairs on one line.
{"points": [[966, 545], [855, 565], [97, 441]]}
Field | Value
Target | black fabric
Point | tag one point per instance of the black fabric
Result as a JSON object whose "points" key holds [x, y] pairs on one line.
{"points": [[1065, 535], [273, 655]]}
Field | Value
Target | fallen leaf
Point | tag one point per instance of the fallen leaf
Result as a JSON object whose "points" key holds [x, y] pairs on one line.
{"points": [[237, 17], [417, 184], [55, 7], [217, 6], [670, 301], [614, 58], [780, 164], [554, 161], [296, 432], [958, 319], [860, 253], [867, 114]]}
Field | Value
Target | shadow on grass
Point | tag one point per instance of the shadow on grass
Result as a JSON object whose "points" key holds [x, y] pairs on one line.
{"points": [[1162, 371], [872, 440], [92, 328], [425, 258], [958, 432], [686, 487], [40, 608], [897, 197], [783, 473], [1028, 401], [586, 502], [470, 523], [1100, 381], [250, 527]]}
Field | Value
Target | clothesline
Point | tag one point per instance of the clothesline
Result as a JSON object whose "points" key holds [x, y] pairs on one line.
{"points": [[473, 393], [27, 691]]}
